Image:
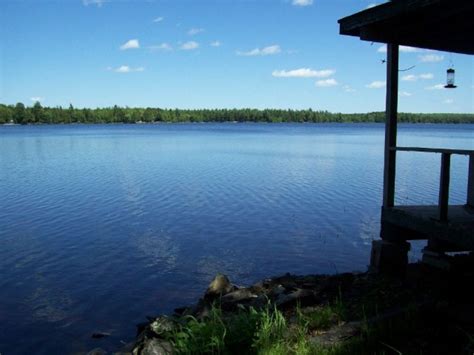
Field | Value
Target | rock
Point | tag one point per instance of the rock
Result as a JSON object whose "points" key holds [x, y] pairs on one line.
{"points": [[218, 287], [203, 310], [100, 335], [232, 299], [154, 347], [126, 349], [162, 325], [97, 351], [262, 286], [287, 281], [336, 335], [303, 296], [276, 291]]}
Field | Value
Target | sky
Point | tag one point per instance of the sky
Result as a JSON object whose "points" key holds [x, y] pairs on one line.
{"points": [[212, 54]]}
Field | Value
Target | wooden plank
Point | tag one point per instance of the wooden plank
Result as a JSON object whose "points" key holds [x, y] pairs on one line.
{"points": [[435, 150], [444, 186], [470, 182], [390, 126]]}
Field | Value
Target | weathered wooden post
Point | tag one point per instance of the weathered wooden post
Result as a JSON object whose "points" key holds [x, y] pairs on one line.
{"points": [[470, 182], [444, 187], [391, 107], [391, 253]]}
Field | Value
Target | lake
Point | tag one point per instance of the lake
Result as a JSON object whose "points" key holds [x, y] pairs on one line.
{"points": [[102, 225]]}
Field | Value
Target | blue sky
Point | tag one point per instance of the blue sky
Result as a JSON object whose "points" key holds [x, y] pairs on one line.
{"points": [[211, 54]]}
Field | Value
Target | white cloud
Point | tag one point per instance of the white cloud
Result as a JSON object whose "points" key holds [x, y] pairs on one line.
{"points": [[303, 73], [165, 47], [435, 87], [98, 3], [195, 31], [448, 101], [431, 58], [411, 77], [347, 88], [404, 94], [371, 5], [123, 69], [126, 69], [376, 85], [403, 49], [37, 99], [188, 46], [215, 44], [427, 76], [158, 19], [131, 44], [269, 50], [327, 83], [302, 2]]}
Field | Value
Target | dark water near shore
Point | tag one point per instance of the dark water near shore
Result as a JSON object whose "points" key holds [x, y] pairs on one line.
{"points": [[103, 225]]}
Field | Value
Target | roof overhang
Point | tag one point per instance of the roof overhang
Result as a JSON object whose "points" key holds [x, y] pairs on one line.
{"points": [[445, 25]]}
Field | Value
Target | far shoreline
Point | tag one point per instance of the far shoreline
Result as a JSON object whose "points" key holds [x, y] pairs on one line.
{"points": [[37, 114], [226, 123]]}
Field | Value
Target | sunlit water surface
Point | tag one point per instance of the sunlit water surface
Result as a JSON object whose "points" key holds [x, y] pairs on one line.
{"points": [[101, 226]]}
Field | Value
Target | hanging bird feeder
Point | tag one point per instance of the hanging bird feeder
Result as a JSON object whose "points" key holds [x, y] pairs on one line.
{"points": [[450, 79]]}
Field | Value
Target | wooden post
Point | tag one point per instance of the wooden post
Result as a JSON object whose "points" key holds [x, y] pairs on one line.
{"points": [[390, 125], [444, 186], [470, 182]]}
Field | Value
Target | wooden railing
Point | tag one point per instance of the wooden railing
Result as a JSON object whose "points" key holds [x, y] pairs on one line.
{"points": [[445, 175]]}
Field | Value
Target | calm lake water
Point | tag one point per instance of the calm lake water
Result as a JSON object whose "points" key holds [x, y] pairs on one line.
{"points": [[101, 226]]}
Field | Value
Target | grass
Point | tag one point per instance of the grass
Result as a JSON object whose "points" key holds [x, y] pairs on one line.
{"points": [[322, 317], [269, 331], [249, 331], [200, 337]]}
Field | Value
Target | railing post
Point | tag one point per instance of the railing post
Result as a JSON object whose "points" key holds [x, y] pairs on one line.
{"points": [[470, 182], [444, 186]]}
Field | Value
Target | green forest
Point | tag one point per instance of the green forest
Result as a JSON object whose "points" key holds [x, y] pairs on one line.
{"points": [[37, 114]]}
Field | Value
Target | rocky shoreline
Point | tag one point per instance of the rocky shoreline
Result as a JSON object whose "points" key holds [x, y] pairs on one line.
{"points": [[285, 292], [353, 303]]}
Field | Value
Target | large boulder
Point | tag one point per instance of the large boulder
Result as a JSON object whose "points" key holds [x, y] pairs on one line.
{"points": [[218, 287], [154, 346]]}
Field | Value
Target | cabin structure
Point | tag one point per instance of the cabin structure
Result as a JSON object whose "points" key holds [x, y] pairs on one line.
{"points": [[445, 25]]}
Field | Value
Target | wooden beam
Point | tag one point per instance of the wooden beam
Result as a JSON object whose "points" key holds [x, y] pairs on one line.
{"points": [[435, 150], [390, 126], [425, 220], [444, 186], [433, 40], [470, 182], [436, 24], [350, 25]]}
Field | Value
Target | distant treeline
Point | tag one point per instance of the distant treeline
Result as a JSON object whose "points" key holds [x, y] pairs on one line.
{"points": [[21, 114]]}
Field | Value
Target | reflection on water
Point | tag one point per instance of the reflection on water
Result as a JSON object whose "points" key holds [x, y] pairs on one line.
{"points": [[103, 225], [49, 303], [157, 249]]}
